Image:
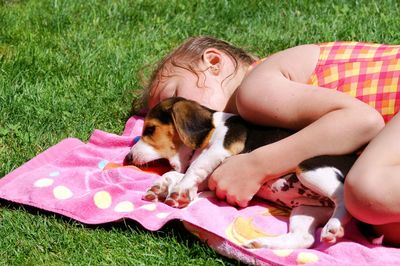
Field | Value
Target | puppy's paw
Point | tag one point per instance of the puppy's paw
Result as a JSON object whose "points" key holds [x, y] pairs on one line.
{"points": [[273, 242], [332, 231], [180, 196], [256, 243], [159, 190], [177, 200], [154, 193], [285, 241]]}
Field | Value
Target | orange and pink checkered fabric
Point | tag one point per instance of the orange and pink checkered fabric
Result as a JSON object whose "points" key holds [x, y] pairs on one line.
{"points": [[369, 72]]}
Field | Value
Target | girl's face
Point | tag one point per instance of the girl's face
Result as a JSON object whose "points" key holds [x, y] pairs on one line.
{"points": [[205, 88]]}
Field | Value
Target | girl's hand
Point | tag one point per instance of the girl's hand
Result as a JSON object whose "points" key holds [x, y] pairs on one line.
{"points": [[237, 179]]}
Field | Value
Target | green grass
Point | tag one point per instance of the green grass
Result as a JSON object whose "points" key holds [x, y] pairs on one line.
{"points": [[68, 67]]}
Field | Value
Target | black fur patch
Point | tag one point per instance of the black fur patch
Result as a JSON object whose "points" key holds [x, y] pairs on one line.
{"points": [[341, 162], [162, 111], [193, 122], [258, 136], [254, 136], [199, 129], [237, 131]]}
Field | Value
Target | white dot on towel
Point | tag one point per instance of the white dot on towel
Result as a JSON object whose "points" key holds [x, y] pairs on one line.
{"points": [[149, 207], [102, 199], [282, 252], [162, 215], [62, 192], [306, 257], [44, 182], [124, 206]]}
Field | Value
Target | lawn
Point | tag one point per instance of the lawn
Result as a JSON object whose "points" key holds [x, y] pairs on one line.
{"points": [[68, 67]]}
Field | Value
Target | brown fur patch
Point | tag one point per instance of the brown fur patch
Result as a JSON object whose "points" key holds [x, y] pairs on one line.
{"points": [[164, 138], [193, 123], [235, 138], [236, 147], [207, 138]]}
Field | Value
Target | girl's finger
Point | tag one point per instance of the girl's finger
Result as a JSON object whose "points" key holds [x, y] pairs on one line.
{"points": [[231, 200], [242, 203], [211, 183], [220, 193]]}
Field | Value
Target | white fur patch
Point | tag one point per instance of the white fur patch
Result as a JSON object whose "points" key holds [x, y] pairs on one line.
{"points": [[205, 161], [181, 160], [143, 153], [322, 180]]}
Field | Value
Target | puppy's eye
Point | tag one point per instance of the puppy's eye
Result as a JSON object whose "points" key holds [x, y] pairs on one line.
{"points": [[148, 131]]}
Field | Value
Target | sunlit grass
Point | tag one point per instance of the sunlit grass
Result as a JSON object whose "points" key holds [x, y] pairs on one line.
{"points": [[68, 67]]}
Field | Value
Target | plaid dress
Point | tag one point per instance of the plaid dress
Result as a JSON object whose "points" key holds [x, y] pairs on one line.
{"points": [[369, 72]]}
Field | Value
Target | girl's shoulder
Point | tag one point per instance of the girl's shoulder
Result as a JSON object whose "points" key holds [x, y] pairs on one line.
{"points": [[295, 63]]}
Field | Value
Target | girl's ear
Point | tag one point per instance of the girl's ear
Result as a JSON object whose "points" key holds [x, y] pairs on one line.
{"points": [[212, 59]]}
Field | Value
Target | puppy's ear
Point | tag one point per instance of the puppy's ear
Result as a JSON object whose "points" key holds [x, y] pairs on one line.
{"points": [[193, 122]]}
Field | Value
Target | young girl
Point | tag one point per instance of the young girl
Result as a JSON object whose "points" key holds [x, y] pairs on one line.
{"points": [[337, 95]]}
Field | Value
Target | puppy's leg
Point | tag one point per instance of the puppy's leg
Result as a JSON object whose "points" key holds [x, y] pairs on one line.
{"points": [[186, 190], [302, 225], [160, 188], [326, 182]]}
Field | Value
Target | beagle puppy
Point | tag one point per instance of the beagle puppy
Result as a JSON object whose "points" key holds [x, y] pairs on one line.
{"points": [[195, 140]]}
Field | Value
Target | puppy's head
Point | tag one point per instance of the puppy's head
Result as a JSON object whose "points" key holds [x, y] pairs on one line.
{"points": [[172, 130]]}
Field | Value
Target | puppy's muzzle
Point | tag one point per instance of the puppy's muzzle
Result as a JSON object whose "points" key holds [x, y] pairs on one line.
{"points": [[128, 159]]}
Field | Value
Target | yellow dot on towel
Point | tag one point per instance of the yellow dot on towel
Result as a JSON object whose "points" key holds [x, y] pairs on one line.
{"points": [[149, 207], [282, 252], [102, 199], [306, 257], [124, 206], [44, 182], [62, 192], [162, 215]]}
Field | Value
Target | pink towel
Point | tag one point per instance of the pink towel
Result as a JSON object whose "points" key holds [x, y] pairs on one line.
{"points": [[88, 183]]}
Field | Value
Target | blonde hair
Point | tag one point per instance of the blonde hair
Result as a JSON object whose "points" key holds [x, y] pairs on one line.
{"points": [[188, 55]]}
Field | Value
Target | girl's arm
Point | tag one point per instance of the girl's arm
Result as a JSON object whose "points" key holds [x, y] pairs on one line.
{"points": [[329, 122]]}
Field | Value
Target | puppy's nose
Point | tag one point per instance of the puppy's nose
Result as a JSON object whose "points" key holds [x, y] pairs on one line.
{"points": [[128, 159]]}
